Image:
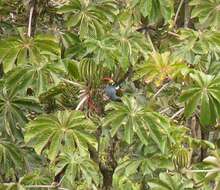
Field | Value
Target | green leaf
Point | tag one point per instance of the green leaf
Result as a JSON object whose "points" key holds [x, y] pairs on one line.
{"points": [[129, 133], [133, 119], [22, 50], [90, 16], [207, 12], [77, 165], [11, 157], [204, 93], [57, 129], [205, 115], [192, 104], [10, 59]]}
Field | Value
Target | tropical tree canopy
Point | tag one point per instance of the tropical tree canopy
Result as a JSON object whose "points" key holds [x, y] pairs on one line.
{"points": [[110, 94]]}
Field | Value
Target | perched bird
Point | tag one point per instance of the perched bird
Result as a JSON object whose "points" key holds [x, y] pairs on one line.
{"points": [[111, 90]]}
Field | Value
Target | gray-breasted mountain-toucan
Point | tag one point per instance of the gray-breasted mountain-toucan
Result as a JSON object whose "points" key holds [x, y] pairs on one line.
{"points": [[111, 89]]}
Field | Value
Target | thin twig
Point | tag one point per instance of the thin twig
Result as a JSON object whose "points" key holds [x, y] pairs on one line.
{"points": [[177, 12], [40, 186], [45, 186], [151, 43], [164, 110], [161, 89], [177, 113], [174, 34]]}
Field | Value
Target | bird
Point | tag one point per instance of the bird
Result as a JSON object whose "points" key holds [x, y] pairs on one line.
{"points": [[110, 89]]}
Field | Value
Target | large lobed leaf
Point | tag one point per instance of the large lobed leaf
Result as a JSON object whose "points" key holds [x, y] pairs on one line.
{"points": [[89, 16], [134, 119], [19, 50], [77, 165], [160, 66], [13, 110], [64, 128], [207, 11], [203, 93], [10, 157], [155, 9]]}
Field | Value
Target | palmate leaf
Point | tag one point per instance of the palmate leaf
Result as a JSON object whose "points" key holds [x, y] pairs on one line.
{"points": [[125, 183], [168, 182], [194, 44], [83, 74], [160, 66], [78, 166], [90, 16], [204, 92], [128, 170], [103, 49], [39, 77], [155, 9], [13, 110], [11, 157], [64, 128], [36, 178], [213, 165], [87, 68], [207, 11], [74, 47], [23, 50], [134, 119], [130, 45]]}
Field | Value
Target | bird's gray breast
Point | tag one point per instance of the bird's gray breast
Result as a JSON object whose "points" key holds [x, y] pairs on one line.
{"points": [[110, 91]]}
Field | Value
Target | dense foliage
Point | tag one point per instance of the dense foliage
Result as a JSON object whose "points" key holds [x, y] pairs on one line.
{"points": [[110, 94]]}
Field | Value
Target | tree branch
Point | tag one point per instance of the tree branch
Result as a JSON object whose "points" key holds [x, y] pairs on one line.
{"points": [[164, 110], [40, 186], [174, 34], [177, 113], [151, 43], [30, 21], [177, 12], [45, 186], [161, 89], [32, 17], [187, 14]]}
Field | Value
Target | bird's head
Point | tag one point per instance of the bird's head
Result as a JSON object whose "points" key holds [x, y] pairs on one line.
{"points": [[108, 80]]}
